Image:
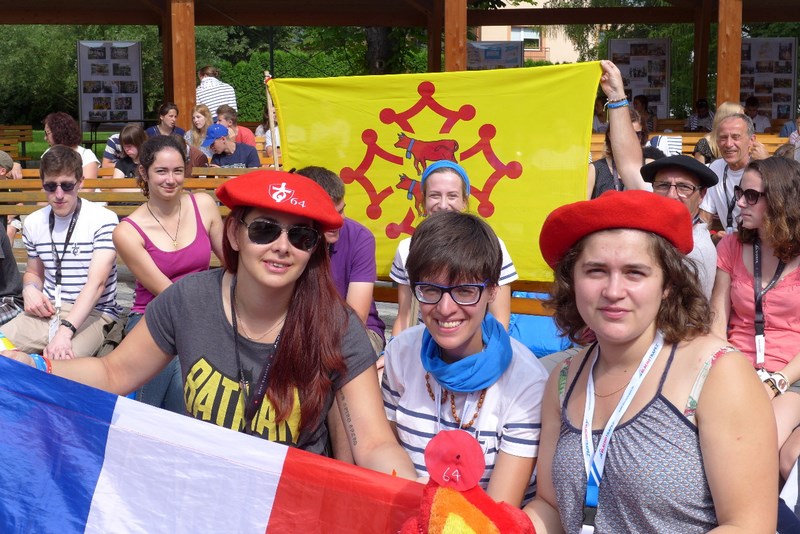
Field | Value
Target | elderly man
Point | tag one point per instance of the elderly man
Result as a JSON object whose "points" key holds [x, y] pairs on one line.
{"points": [[737, 141], [228, 153], [685, 179]]}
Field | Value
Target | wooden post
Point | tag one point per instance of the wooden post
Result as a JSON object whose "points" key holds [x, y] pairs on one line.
{"points": [[435, 23], [729, 55], [179, 58], [702, 35], [455, 35]]}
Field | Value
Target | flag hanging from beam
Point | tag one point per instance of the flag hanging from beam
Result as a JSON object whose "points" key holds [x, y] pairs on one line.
{"points": [[77, 459], [523, 136]]}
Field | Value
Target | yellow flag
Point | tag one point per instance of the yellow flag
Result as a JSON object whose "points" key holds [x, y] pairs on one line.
{"points": [[523, 136]]}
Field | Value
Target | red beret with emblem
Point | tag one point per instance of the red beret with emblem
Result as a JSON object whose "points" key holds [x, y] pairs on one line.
{"points": [[284, 192], [635, 210]]}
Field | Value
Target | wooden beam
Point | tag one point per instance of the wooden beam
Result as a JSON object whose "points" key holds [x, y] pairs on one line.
{"points": [[324, 15], [435, 27], [702, 39], [455, 35], [60, 16], [729, 53], [179, 58], [584, 15]]}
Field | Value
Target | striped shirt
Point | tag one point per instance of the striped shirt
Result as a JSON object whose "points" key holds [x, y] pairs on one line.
{"points": [[92, 232], [509, 419], [214, 93]]}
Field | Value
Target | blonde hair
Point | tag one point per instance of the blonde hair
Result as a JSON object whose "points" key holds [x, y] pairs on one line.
{"points": [[198, 136], [725, 110]]}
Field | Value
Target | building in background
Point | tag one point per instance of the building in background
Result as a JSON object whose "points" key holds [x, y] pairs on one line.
{"points": [[539, 44]]}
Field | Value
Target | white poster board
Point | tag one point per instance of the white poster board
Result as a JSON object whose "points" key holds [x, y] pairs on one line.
{"points": [[769, 71], [644, 64], [109, 82], [485, 55]]}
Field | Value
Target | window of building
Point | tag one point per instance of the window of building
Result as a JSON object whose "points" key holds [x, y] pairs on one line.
{"points": [[530, 36]]}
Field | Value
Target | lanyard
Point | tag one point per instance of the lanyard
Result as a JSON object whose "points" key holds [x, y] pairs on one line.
{"points": [[758, 320], [252, 404], [618, 185], [731, 202], [56, 258], [594, 462]]}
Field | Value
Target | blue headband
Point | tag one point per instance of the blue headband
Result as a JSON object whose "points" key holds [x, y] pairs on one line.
{"points": [[445, 164]]}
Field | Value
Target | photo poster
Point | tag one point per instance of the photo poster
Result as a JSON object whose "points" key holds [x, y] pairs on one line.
{"points": [[110, 81], [644, 64], [486, 55], [769, 72]]}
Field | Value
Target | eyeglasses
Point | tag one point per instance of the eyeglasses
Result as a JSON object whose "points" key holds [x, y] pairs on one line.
{"points": [[262, 232], [51, 187], [751, 196], [683, 190], [463, 294]]}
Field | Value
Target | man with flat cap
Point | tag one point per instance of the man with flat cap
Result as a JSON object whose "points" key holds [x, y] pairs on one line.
{"points": [[685, 179]]}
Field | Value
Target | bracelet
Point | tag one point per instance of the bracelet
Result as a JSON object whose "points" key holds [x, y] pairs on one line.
{"points": [[614, 104], [38, 361], [49, 365], [69, 325]]}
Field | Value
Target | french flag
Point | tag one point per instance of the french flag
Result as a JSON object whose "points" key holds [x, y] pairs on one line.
{"points": [[77, 459]]}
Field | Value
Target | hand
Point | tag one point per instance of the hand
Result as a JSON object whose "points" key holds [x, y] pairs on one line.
{"points": [[758, 151], [36, 303], [611, 81], [60, 347], [16, 171], [18, 356]]}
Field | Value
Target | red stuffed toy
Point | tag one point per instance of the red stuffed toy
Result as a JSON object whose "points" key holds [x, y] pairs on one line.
{"points": [[453, 502]]}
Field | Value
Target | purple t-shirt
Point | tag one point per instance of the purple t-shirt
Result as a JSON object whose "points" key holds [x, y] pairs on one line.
{"points": [[353, 260]]}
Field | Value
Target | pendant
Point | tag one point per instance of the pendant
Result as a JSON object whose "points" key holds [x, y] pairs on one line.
{"points": [[175, 244]]}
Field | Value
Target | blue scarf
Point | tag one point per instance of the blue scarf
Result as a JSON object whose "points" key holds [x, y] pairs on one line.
{"points": [[475, 372]]}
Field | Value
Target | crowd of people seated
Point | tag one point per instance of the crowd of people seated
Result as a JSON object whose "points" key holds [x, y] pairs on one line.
{"points": [[684, 341]]}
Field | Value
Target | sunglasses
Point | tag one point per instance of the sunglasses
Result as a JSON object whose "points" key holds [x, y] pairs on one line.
{"points": [[263, 232], [51, 187], [751, 196], [463, 294]]}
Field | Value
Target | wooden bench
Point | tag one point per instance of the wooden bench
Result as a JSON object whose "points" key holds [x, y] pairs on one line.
{"points": [[27, 196], [20, 134]]}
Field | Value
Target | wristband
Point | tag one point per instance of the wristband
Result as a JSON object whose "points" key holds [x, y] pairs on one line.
{"points": [[617, 104], [38, 361], [69, 325]]}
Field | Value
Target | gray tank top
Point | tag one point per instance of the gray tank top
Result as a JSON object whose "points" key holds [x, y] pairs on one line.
{"points": [[654, 479]]}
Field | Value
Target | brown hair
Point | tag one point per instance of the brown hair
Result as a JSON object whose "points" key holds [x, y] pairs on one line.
{"points": [[781, 224], [227, 112], [309, 355], [684, 312], [147, 156], [61, 160], [64, 130], [133, 134]]}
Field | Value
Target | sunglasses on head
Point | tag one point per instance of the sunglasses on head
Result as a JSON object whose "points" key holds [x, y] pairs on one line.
{"points": [[51, 187], [751, 196], [263, 232]]}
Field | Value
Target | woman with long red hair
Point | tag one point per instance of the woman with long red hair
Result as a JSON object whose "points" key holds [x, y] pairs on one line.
{"points": [[266, 346]]}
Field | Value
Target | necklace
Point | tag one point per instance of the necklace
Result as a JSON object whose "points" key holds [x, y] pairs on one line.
{"points": [[456, 418], [177, 230], [596, 394], [278, 323]]}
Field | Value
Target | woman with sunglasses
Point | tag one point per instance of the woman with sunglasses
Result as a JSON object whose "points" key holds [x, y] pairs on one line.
{"points": [[166, 238], [266, 345], [445, 187], [657, 425], [461, 369], [756, 297]]}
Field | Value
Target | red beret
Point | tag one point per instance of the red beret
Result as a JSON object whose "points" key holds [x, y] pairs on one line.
{"points": [[284, 192], [636, 210]]}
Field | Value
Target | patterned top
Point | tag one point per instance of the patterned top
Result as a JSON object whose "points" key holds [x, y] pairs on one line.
{"points": [[654, 480]]}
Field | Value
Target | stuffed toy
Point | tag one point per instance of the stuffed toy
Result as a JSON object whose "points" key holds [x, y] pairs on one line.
{"points": [[453, 502]]}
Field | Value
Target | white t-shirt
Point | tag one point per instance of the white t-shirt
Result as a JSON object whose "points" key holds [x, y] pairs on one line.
{"points": [[92, 232], [508, 273], [87, 156], [720, 196], [508, 421], [704, 254], [761, 123]]}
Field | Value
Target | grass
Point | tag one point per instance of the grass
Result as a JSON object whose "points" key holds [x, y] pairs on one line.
{"points": [[35, 149]]}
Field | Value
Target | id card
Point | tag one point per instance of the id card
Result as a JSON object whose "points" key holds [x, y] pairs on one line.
{"points": [[58, 297], [55, 322]]}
